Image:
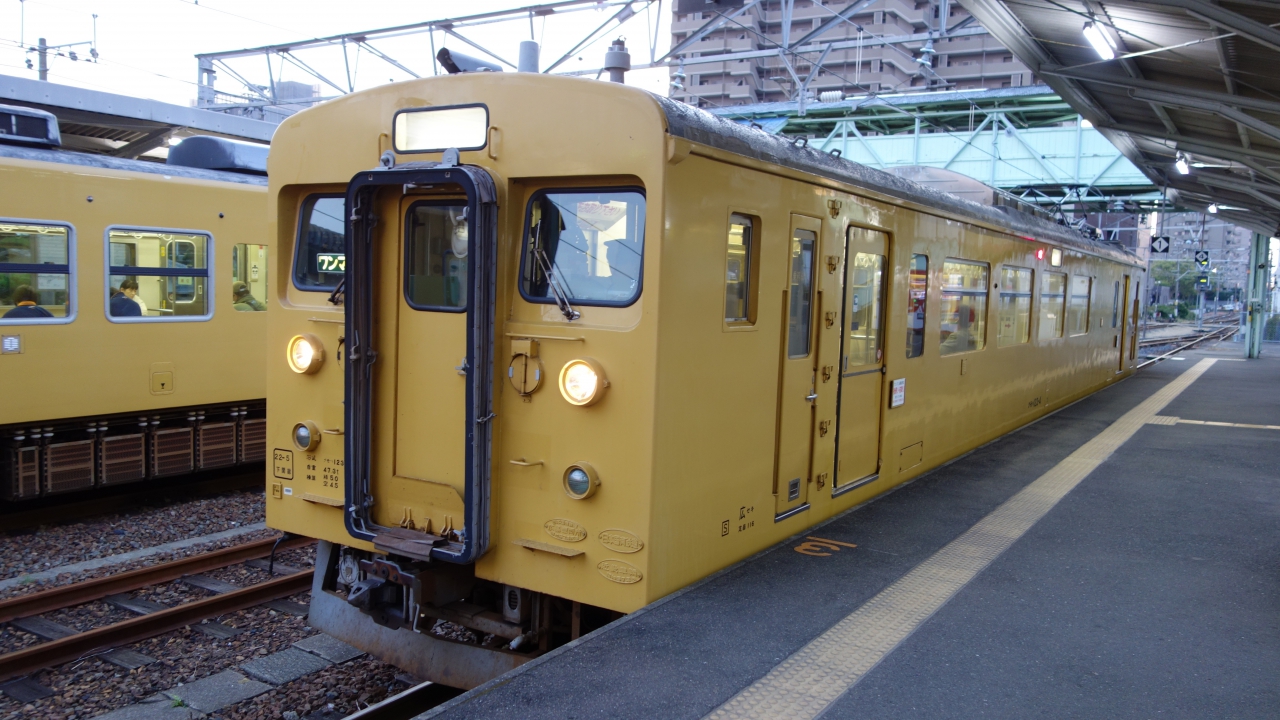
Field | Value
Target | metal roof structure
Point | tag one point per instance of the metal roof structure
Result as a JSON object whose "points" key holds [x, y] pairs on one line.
{"points": [[1192, 83], [122, 126]]}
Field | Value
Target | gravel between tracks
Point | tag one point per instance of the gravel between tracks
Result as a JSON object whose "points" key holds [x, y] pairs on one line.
{"points": [[52, 546], [92, 686]]}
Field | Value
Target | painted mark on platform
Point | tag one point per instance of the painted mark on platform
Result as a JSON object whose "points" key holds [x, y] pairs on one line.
{"points": [[807, 683], [816, 546]]}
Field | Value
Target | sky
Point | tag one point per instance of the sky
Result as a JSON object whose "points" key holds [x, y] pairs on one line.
{"points": [[147, 48]]}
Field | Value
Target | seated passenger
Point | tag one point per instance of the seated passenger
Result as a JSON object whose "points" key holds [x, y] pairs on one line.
{"points": [[122, 303], [244, 302], [24, 300], [962, 339]]}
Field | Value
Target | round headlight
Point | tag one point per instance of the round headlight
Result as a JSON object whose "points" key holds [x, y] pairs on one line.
{"points": [[582, 381], [305, 354], [580, 481], [306, 435]]}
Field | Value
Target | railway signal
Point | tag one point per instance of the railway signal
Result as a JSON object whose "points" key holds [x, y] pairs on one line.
{"points": [[1160, 245], [1202, 259]]}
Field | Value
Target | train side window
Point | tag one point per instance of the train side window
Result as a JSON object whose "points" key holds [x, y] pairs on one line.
{"points": [[1015, 306], [1053, 305], [800, 314], [1078, 305], [917, 293], [36, 276], [864, 312], [740, 268], [157, 275], [249, 277], [1115, 307], [435, 262], [964, 306], [586, 244], [319, 256]]}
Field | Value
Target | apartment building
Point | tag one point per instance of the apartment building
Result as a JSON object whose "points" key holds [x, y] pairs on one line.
{"points": [[886, 46]]}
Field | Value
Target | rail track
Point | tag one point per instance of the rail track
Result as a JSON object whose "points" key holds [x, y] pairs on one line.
{"points": [[153, 620], [1218, 334]]}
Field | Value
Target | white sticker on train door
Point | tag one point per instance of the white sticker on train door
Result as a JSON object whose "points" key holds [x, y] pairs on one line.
{"points": [[898, 395]]}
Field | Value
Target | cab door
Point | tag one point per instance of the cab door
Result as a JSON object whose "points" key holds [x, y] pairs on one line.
{"points": [[797, 383], [861, 359]]}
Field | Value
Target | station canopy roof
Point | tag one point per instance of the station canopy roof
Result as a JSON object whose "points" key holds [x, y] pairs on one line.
{"points": [[1193, 83]]}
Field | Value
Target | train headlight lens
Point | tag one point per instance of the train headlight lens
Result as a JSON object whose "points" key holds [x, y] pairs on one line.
{"points": [[305, 354], [581, 481], [582, 381], [306, 435]]}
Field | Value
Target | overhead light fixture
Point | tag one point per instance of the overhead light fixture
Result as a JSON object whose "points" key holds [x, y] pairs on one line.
{"points": [[1084, 123], [1100, 41], [1180, 161], [1213, 209]]}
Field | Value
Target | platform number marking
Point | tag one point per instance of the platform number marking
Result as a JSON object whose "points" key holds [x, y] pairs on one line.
{"points": [[282, 464], [818, 547], [1160, 245]]}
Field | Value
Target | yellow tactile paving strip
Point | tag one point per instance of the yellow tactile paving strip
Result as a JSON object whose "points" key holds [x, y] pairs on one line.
{"points": [[1170, 420], [807, 683]]}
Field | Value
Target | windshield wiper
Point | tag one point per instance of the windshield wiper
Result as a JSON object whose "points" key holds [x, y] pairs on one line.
{"points": [[562, 298]]}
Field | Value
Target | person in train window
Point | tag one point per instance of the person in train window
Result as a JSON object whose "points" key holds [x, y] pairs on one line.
{"points": [[122, 303], [962, 339], [24, 301], [245, 302]]}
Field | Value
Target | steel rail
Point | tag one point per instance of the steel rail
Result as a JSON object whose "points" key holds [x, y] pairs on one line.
{"points": [[56, 652], [413, 701], [1222, 335], [90, 590]]}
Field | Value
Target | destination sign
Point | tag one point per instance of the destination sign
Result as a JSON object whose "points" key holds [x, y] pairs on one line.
{"points": [[331, 262]]}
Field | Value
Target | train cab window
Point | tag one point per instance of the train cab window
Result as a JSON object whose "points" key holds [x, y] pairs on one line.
{"points": [[800, 314], [917, 294], [863, 312], [35, 274], [964, 306], [739, 300], [156, 275], [1053, 305], [320, 251], [249, 278], [587, 245], [1015, 307], [435, 243], [1078, 305]]}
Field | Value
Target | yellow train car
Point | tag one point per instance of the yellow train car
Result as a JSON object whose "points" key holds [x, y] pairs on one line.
{"points": [[549, 349], [131, 333]]}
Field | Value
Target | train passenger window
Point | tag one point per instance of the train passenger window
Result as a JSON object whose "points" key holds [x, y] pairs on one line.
{"points": [[1015, 307], [1115, 307], [1053, 305], [865, 291], [964, 306], [249, 278], [739, 301], [917, 293], [585, 244], [35, 273], [800, 314], [157, 275], [320, 258], [435, 262], [1078, 305]]}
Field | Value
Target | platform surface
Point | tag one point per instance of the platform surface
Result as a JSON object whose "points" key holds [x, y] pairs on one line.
{"points": [[1151, 588]]}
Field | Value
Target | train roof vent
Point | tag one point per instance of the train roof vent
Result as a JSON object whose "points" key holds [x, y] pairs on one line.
{"points": [[28, 126], [215, 153]]}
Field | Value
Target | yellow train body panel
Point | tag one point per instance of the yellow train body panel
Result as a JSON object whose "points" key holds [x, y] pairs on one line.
{"points": [[93, 367], [687, 441]]}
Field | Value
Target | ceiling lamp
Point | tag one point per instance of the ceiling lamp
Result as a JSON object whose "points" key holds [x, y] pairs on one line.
{"points": [[1100, 41], [1213, 209], [1180, 162]]}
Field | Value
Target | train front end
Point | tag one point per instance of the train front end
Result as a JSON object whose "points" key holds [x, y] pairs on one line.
{"points": [[462, 372]]}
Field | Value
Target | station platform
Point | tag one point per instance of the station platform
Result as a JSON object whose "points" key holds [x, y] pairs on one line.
{"points": [[1120, 558]]}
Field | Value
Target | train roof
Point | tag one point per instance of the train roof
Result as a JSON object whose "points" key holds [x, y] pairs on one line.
{"points": [[704, 128], [106, 162]]}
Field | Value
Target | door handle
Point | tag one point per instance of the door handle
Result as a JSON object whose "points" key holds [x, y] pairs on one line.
{"points": [[811, 397]]}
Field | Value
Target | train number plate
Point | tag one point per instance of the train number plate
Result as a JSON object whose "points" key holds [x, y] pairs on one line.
{"points": [[282, 464]]}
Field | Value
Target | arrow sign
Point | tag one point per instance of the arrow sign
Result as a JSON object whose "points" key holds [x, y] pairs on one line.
{"points": [[1160, 245], [1202, 258]]}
